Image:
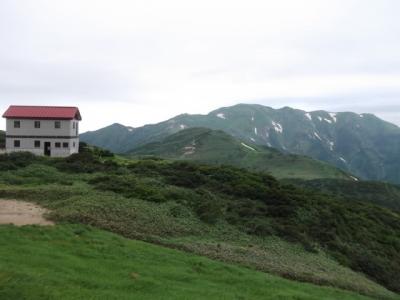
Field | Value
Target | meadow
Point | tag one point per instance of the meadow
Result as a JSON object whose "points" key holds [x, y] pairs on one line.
{"points": [[224, 213], [81, 262]]}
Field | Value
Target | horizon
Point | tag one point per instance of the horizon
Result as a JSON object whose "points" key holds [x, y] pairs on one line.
{"points": [[137, 63]]}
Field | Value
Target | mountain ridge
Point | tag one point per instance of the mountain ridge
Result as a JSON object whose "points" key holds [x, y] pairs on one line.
{"points": [[361, 144]]}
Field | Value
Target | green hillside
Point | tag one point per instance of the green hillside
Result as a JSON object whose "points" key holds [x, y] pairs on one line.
{"points": [[77, 262], [361, 144], [224, 213], [217, 147], [379, 193]]}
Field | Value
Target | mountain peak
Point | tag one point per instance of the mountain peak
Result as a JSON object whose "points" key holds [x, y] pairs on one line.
{"points": [[362, 144]]}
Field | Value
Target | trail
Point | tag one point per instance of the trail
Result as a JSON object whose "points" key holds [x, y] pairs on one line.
{"points": [[22, 213]]}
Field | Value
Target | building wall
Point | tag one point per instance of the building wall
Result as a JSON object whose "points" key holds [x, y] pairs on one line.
{"points": [[46, 128], [27, 134], [28, 144]]}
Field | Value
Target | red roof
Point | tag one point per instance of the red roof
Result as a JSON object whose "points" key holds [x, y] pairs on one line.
{"points": [[42, 112]]}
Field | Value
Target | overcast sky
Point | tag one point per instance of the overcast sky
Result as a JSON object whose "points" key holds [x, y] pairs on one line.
{"points": [[138, 62]]}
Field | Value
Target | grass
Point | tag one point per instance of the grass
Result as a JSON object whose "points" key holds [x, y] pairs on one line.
{"points": [[224, 213], [173, 225], [78, 262]]}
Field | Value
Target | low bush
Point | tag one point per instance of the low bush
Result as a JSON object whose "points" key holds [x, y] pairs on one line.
{"points": [[35, 174], [209, 207], [85, 162], [260, 205], [2, 139], [96, 151], [16, 160], [252, 203], [129, 186]]}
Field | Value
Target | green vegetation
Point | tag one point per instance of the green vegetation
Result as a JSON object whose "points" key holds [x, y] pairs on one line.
{"points": [[379, 193], [2, 139], [225, 213], [217, 147], [77, 262], [363, 145]]}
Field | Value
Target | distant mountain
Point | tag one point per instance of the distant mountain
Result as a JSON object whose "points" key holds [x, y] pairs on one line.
{"points": [[217, 147], [358, 143], [114, 137]]}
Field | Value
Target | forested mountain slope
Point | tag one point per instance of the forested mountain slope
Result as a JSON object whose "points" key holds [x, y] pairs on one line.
{"points": [[362, 144]]}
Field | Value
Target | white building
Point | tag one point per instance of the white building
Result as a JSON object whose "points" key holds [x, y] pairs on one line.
{"points": [[43, 130]]}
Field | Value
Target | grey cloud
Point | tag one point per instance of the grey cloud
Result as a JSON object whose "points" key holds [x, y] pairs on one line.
{"points": [[73, 80], [152, 58]]}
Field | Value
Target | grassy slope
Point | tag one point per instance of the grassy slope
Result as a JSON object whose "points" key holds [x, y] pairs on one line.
{"points": [[379, 193], [173, 222], [76, 262], [157, 223], [217, 147]]}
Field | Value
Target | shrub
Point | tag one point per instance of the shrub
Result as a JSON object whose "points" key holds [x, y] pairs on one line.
{"points": [[16, 160], [184, 174], [96, 151], [85, 162], [209, 208], [129, 186]]}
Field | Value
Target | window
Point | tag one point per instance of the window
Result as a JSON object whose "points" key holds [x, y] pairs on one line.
{"points": [[58, 145], [37, 124], [17, 143], [37, 144], [17, 124], [73, 144], [57, 124], [73, 125], [65, 145]]}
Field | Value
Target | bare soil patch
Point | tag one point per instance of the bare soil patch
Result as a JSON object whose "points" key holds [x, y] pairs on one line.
{"points": [[22, 213]]}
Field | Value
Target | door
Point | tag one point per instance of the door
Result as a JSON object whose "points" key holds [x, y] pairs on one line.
{"points": [[47, 150]]}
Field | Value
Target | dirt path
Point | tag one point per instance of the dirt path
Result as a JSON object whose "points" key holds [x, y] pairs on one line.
{"points": [[22, 213]]}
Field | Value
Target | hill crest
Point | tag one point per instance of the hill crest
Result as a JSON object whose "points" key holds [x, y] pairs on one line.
{"points": [[358, 143]]}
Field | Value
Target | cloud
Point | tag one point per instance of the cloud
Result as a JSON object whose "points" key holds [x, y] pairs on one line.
{"points": [[138, 62]]}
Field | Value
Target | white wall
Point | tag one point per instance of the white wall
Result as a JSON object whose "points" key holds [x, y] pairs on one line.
{"points": [[27, 134], [46, 128], [28, 144]]}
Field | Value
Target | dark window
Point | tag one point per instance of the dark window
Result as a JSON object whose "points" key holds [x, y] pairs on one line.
{"points": [[73, 144], [17, 124], [37, 144], [57, 124], [73, 125], [65, 145], [37, 124], [17, 143], [58, 145]]}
